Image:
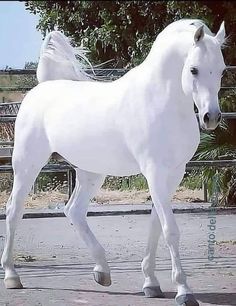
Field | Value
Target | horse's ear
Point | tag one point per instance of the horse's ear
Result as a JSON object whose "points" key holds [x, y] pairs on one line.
{"points": [[220, 36], [199, 34]]}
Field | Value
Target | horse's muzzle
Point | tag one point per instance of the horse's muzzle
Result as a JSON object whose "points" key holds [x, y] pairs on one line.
{"points": [[211, 120]]}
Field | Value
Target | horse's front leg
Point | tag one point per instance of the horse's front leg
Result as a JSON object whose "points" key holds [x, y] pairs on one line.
{"points": [[162, 181], [151, 287]]}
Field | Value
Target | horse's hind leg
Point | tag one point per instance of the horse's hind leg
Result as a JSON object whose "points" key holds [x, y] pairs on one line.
{"points": [[87, 184], [26, 169]]}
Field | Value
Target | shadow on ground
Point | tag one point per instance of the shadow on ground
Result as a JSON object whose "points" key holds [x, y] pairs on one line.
{"points": [[210, 298]]}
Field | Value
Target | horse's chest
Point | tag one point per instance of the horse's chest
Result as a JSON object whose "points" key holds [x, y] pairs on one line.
{"points": [[170, 140], [183, 140]]}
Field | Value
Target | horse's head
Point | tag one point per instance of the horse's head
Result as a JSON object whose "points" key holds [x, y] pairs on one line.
{"points": [[202, 73]]}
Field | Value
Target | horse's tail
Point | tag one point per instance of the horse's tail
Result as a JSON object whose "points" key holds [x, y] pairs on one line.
{"points": [[60, 60]]}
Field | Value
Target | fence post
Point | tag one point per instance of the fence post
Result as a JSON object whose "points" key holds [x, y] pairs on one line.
{"points": [[204, 186], [215, 197], [35, 187], [71, 181]]}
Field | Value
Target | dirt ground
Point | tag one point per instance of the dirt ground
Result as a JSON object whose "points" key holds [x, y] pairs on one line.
{"points": [[56, 266], [50, 198]]}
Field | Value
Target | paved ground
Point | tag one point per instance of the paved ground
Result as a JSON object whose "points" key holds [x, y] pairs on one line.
{"points": [[61, 271]]}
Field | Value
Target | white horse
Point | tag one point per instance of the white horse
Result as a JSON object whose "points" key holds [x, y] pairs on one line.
{"points": [[142, 123]]}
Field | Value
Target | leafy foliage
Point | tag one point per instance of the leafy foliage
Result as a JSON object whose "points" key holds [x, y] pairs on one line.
{"points": [[137, 182], [218, 145], [124, 30]]}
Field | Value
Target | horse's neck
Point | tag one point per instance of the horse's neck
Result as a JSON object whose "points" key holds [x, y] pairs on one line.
{"points": [[164, 64]]}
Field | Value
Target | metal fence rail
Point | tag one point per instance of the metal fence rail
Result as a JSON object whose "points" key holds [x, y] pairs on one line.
{"points": [[99, 71], [109, 73], [59, 167], [96, 70], [10, 118]]}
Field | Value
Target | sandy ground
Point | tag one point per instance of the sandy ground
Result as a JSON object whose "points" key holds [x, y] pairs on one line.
{"points": [[50, 198], [56, 266]]}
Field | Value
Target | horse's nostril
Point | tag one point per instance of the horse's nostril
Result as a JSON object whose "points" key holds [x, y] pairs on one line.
{"points": [[219, 117], [206, 118]]}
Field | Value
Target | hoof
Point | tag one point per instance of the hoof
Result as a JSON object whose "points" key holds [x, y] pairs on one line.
{"points": [[13, 283], [102, 278], [153, 292], [186, 300]]}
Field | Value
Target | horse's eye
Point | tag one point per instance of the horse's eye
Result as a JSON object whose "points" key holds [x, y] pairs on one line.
{"points": [[194, 70]]}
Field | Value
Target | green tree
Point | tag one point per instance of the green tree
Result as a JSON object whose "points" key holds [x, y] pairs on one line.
{"points": [[125, 30]]}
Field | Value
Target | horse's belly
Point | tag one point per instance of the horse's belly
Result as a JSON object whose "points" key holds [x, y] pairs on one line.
{"points": [[100, 153], [100, 161]]}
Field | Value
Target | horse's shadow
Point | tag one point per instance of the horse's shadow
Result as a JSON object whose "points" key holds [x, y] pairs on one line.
{"points": [[228, 298]]}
